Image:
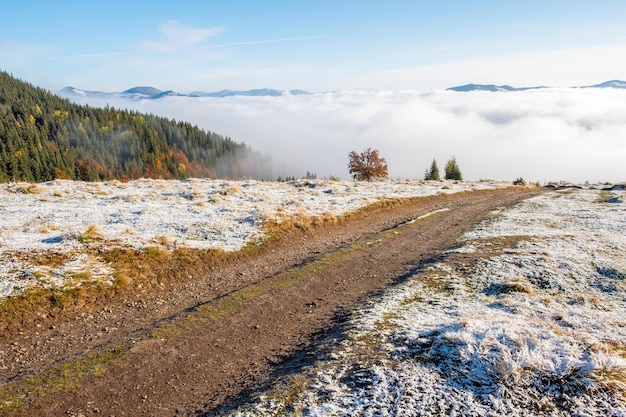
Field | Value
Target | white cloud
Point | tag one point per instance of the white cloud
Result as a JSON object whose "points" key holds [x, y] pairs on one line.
{"points": [[176, 36], [541, 135]]}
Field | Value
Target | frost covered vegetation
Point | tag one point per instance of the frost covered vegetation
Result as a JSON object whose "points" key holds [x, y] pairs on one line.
{"points": [[526, 316], [52, 234]]}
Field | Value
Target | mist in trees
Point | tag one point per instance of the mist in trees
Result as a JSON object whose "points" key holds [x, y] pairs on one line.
{"points": [[44, 137]]}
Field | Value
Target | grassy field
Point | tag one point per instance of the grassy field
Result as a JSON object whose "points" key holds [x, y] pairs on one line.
{"points": [[53, 235]]}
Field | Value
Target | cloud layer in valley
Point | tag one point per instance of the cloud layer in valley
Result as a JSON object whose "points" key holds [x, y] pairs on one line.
{"points": [[552, 134]]}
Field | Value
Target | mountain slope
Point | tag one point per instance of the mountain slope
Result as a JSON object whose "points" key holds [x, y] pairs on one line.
{"points": [[610, 84], [147, 91], [44, 137], [489, 87]]}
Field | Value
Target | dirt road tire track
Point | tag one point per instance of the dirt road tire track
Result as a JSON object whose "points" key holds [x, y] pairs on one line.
{"points": [[203, 369]]}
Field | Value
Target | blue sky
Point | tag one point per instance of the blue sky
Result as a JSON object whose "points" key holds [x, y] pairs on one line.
{"points": [[370, 53], [313, 45]]}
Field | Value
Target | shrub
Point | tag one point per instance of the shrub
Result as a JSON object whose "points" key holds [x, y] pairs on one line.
{"points": [[519, 181], [25, 188], [90, 233]]}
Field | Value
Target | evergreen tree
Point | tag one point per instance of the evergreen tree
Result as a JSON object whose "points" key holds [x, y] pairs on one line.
{"points": [[44, 137], [452, 170], [432, 174]]}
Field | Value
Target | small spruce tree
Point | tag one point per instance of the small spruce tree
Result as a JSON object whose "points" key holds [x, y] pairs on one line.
{"points": [[432, 174], [452, 170]]}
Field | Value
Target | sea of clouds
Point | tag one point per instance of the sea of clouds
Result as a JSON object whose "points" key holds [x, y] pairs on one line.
{"points": [[553, 134]]}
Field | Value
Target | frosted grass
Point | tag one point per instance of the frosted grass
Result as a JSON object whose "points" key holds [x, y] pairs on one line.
{"points": [[538, 327], [48, 218]]}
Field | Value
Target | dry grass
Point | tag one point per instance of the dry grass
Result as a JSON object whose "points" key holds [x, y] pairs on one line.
{"points": [[517, 284], [48, 228], [324, 219], [565, 191], [36, 302], [234, 190], [214, 198], [164, 240], [291, 394], [90, 233], [48, 259], [155, 252], [610, 373], [603, 196], [25, 188], [280, 226], [133, 270], [122, 280]]}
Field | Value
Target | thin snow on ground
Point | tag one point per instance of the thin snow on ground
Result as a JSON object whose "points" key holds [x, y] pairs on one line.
{"points": [[535, 325], [55, 218]]}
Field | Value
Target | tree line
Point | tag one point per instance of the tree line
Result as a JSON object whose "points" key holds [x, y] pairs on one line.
{"points": [[45, 137], [369, 165]]}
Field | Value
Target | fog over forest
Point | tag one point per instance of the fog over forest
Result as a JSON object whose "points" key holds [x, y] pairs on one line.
{"points": [[569, 134]]}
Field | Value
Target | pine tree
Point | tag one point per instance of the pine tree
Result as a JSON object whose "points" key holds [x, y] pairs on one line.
{"points": [[43, 137], [432, 174], [452, 170]]}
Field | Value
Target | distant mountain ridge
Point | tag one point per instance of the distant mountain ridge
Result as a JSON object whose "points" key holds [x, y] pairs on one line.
{"points": [[151, 93], [609, 84], [496, 88], [489, 87]]}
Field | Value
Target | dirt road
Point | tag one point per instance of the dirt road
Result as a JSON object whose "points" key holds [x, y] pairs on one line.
{"points": [[198, 345]]}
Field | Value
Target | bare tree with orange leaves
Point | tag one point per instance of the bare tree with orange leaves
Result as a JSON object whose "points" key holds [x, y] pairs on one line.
{"points": [[367, 165]]}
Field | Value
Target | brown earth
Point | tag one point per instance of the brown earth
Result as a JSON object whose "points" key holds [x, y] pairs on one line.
{"points": [[200, 345]]}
